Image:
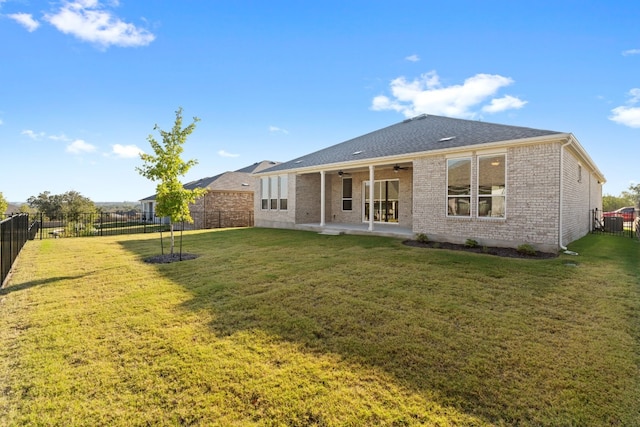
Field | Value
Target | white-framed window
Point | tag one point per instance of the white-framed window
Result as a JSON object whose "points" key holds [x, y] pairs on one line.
{"points": [[274, 192], [491, 186], [347, 194], [283, 185], [579, 173], [459, 187], [264, 190]]}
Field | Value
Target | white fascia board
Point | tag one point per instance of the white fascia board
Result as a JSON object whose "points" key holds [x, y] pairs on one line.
{"points": [[583, 156]]}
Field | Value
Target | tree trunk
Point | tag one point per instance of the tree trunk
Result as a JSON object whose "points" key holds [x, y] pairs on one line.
{"points": [[172, 240]]}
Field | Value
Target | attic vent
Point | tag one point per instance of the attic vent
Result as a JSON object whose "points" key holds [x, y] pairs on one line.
{"points": [[448, 138], [298, 161], [420, 117], [355, 153]]}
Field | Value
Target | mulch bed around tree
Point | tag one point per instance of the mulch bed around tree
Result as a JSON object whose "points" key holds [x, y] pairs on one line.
{"points": [[503, 252], [168, 258]]}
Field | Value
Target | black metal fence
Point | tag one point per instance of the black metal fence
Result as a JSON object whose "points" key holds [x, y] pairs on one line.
{"points": [[14, 232], [97, 224], [110, 224], [615, 224]]}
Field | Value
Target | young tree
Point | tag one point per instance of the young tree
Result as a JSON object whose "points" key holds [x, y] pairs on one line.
{"points": [[165, 167], [3, 206]]}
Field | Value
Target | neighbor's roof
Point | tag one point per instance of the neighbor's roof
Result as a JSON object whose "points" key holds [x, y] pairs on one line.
{"points": [[419, 134], [227, 181], [258, 166]]}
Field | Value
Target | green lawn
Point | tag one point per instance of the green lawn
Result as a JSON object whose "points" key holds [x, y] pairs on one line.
{"points": [[275, 327]]}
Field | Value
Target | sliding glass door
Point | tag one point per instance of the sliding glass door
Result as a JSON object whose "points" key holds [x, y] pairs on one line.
{"points": [[385, 201]]}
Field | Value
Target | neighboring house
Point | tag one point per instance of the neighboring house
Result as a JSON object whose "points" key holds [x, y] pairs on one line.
{"points": [[11, 209], [450, 179], [228, 201]]}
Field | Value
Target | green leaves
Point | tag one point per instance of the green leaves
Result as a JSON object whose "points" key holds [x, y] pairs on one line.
{"points": [[3, 205], [166, 166]]}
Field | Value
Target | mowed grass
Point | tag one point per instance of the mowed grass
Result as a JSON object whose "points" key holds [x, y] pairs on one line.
{"points": [[276, 327]]}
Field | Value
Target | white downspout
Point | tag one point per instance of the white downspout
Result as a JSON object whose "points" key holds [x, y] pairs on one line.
{"points": [[564, 248], [322, 190]]}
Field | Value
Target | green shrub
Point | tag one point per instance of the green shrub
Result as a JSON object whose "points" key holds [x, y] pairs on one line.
{"points": [[422, 238], [526, 249], [470, 243]]}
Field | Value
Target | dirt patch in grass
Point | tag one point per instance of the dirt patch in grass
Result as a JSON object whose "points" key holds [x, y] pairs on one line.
{"points": [[169, 258], [503, 252]]}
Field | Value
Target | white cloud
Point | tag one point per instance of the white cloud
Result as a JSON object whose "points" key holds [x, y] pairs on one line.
{"points": [[126, 151], [412, 58], [507, 102], [26, 20], [79, 146], [33, 135], [631, 52], [427, 95], [61, 137], [628, 115], [223, 153], [275, 129], [88, 21]]}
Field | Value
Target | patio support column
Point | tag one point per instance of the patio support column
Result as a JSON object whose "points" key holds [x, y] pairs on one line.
{"points": [[371, 194], [322, 198]]}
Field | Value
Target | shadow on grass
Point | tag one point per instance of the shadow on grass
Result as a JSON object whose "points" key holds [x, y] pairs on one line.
{"points": [[472, 330], [35, 283]]}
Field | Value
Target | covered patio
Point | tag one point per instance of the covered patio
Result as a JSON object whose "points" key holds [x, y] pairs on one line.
{"points": [[387, 230]]}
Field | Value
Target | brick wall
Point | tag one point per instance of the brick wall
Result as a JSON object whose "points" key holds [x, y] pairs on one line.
{"points": [[355, 216], [278, 218], [581, 193], [532, 209], [532, 200], [223, 209]]}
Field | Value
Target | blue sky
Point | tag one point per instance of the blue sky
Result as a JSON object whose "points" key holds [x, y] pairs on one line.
{"points": [[83, 82]]}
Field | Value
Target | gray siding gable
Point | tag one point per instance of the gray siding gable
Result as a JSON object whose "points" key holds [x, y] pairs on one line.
{"points": [[419, 134]]}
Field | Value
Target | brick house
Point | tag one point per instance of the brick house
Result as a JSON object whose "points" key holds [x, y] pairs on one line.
{"points": [[450, 179], [228, 201]]}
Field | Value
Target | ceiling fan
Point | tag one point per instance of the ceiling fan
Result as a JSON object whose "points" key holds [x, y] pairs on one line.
{"points": [[397, 168]]}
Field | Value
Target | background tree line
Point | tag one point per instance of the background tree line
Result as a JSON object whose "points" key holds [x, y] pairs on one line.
{"points": [[56, 206], [631, 197]]}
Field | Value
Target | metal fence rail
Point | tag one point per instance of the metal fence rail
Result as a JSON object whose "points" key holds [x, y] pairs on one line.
{"points": [[111, 224], [613, 224], [14, 232]]}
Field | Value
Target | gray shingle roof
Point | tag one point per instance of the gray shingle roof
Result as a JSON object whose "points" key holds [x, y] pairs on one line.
{"points": [[420, 134], [258, 166], [230, 181]]}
